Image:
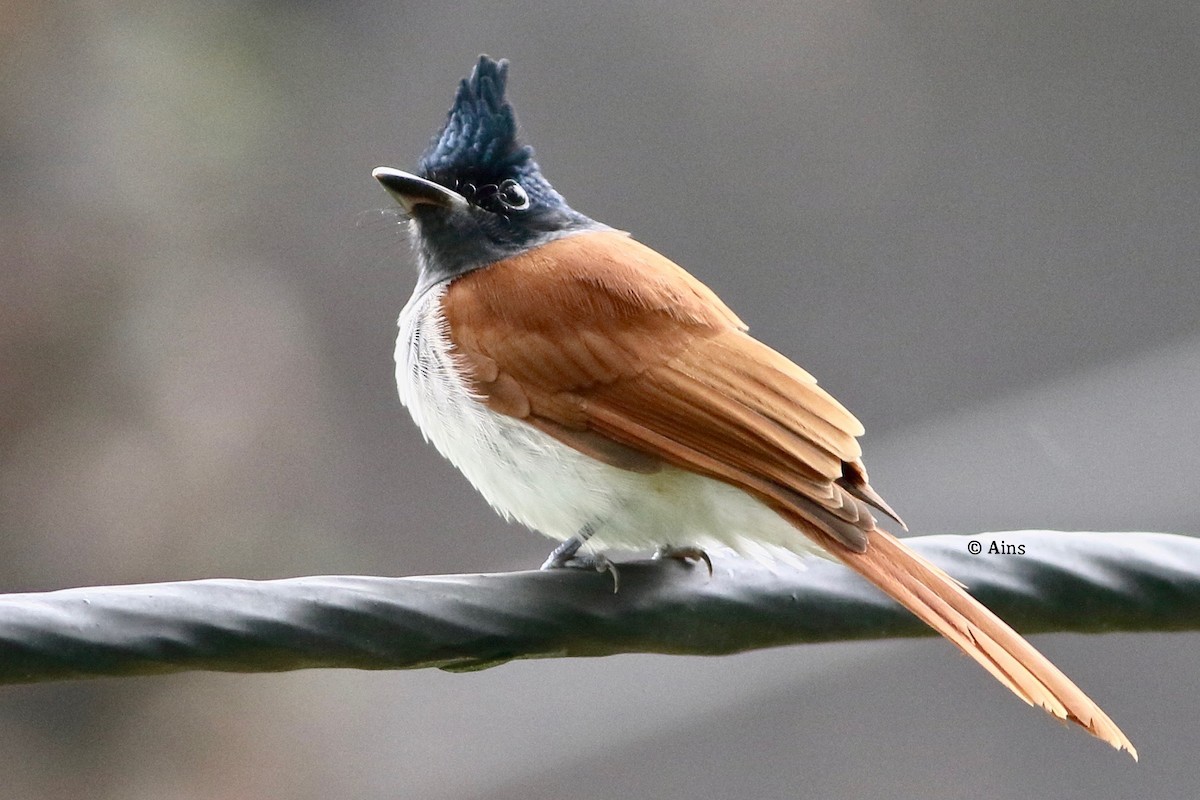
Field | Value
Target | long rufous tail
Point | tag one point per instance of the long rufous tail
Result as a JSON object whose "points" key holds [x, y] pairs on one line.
{"points": [[944, 605]]}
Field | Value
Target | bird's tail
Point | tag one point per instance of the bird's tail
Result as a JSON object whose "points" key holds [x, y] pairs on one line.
{"points": [[944, 605]]}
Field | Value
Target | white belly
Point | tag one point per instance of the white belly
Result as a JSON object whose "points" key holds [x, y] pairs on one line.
{"points": [[533, 478]]}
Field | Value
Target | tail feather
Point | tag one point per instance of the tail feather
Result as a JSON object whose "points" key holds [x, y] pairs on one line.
{"points": [[942, 603]]}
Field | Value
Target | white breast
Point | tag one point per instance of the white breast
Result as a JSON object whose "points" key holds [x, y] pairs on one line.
{"points": [[533, 478]]}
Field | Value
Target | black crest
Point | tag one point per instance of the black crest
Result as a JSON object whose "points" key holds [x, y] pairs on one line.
{"points": [[478, 143]]}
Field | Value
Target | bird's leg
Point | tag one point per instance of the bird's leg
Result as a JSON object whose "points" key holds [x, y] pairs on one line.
{"points": [[565, 552], [566, 555], [684, 553]]}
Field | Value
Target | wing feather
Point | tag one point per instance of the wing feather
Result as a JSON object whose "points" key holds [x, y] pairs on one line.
{"points": [[621, 342]]}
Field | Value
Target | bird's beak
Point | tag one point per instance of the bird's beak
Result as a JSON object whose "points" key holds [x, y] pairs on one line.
{"points": [[411, 191]]}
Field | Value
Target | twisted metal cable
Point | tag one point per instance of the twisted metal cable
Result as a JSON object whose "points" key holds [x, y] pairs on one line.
{"points": [[1039, 581]]}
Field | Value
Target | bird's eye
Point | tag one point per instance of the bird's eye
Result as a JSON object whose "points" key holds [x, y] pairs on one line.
{"points": [[512, 195]]}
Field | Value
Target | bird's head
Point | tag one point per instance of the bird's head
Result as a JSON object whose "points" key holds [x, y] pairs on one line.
{"points": [[479, 196]]}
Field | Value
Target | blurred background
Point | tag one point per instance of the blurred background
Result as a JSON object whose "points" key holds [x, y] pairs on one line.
{"points": [[977, 223]]}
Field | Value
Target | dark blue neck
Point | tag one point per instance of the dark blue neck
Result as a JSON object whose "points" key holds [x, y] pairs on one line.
{"points": [[448, 245]]}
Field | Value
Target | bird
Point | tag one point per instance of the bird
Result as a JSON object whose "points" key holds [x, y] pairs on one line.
{"points": [[596, 392]]}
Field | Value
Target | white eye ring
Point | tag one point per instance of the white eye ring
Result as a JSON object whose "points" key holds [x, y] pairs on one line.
{"points": [[513, 195]]}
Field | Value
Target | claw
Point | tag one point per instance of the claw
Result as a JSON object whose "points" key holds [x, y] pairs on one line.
{"points": [[685, 553], [603, 564], [565, 556]]}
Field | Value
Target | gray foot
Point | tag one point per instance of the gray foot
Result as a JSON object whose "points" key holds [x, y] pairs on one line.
{"points": [[685, 553], [563, 553], [566, 556]]}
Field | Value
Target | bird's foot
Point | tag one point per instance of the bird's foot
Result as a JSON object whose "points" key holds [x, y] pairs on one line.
{"points": [[563, 553], [684, 553], [566, 556]]}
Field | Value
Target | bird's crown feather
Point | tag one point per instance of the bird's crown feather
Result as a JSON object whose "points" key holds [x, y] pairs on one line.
{"points": [[480, 134]]}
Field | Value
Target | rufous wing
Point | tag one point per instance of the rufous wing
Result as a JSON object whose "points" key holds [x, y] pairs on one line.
{"points": [[615, 350]]}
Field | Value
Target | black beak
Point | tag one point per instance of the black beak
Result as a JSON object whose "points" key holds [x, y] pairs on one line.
{"points": [[411, 191]]}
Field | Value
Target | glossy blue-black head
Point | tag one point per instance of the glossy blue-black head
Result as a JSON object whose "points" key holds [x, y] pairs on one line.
{"points": [[479, 196]]}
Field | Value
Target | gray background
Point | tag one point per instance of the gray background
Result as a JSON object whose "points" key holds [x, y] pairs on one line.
{"points": [[975, 222]]}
